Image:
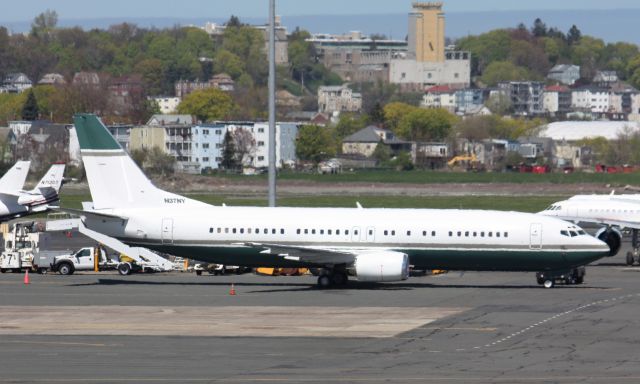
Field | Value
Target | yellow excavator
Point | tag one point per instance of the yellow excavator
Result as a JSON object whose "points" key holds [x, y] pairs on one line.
{"points": [[469, 159]]}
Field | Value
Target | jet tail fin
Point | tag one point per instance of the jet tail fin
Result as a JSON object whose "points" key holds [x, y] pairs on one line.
{"points": [[115, 180], [12, 182], [51, 181]]}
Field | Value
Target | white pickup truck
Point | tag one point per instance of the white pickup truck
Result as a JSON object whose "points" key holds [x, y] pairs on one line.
{"points": [[83, 260]]}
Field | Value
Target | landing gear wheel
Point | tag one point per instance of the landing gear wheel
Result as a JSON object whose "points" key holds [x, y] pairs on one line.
{"points": [[630, 258], [199, 273], [340, 278], [549, 283], [580, 280], [324, 281], [124, 269]]}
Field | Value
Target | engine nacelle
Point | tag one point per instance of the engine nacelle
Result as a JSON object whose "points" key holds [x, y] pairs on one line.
{"points": [[613, 238], [382, 266]]}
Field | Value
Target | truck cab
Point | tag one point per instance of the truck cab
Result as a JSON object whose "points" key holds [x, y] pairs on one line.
{"points": [[83, 260]]}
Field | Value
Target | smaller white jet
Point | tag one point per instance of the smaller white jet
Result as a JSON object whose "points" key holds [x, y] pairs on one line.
{"points": [[15, 202], [614, 212]]}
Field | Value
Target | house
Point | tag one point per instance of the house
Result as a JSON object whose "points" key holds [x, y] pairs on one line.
{"points": [[526, 97], [440, 96], [595, 100], [220, 81], [91, 79], [52, 79], [338, 99], [556, 100], [566, 74], [15, 83], [251, 141], [365, 141], [430, 155], [45, 143], [469, 101], [166, 104], [172, 134], [311, 117], [605, 78]]}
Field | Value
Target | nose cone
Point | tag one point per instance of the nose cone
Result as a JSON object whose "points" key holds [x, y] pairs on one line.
{"points": [[591, 249]]}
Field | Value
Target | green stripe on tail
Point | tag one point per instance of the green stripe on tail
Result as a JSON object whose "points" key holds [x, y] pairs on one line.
{"points": [[92, 134]]}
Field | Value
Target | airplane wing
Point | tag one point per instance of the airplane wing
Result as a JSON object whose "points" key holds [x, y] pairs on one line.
{"points": [[306, 254], [89, 214]]}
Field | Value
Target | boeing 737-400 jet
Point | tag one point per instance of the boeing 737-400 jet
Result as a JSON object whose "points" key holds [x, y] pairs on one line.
{"points": [[14, 202], [613, 212], [376, 245]]}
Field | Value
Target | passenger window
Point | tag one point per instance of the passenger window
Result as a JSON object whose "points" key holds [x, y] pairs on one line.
{"points": [[210, 230], [490, 234], [424, 233], [497, 234], [328, 231], [386, 232], [355, 233], [459, 234], [226, 230], [393, 233], [234, 230], [241, 230], [322, 231], [475, 234], [266, 231], [249, 230], [506, 234], [306, 231], [370, 232], [273, 231], [257, 231], [337, 231], [450, 233], [433, 233], [466, 234], [408, 233], [298, 231], [346, 231], [313, 231], [282, 231], [481, 234], [219, 230]]}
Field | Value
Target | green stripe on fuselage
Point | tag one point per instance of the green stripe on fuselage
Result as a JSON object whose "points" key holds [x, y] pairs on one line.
{"points": [[92, 134], [449, 259]]}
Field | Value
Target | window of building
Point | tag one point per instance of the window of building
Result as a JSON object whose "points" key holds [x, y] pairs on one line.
{"points": [[260, 143], [260, 158], [260, 130], [205, 145], [218, 132], [205, 159]]}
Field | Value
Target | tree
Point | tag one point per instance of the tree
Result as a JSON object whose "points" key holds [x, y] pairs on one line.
{"points": [[499, 71], [44, 24], [539, 28], [234, 22], [315, 143], [160, 163], [229, 152], [30, 110], [500, 104], [425, 125], [394, 112], [349, 124], [382, 153], [244, 145], [208, 104], [574, 35]]}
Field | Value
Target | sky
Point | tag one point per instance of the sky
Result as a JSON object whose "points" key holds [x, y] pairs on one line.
{"points": [[25, 10]]}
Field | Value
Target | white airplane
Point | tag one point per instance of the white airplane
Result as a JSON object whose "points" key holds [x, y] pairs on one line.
{"points": [[14, 202], [614, 212], [376, 245]]}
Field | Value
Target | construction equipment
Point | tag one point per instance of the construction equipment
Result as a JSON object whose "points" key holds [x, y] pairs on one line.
{"points": [[470, 160], [22, 250]]}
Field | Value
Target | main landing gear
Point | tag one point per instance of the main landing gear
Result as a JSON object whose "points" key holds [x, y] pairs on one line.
{"points": [[332, 277], [573, 277], [634, 255]]}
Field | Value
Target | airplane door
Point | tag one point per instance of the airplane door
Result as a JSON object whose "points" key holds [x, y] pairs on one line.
{"points": [[371, 235], [167, 231], [355, 234], [535, 236]]}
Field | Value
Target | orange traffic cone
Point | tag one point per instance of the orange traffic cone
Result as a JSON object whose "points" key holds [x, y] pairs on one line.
{"points": [[26, 277], [232, 291]]}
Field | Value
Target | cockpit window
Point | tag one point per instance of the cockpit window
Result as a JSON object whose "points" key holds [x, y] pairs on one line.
{"points": [[573, 233], [564, 233], [581, 232]]}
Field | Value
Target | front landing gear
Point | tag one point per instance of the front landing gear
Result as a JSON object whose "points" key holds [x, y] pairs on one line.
{"points": [[573, 277], [333, 277], [634, 255]]}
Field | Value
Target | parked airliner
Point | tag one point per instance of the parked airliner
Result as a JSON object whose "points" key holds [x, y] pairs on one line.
{"points": [[375, 245], [614, 212], [14, 202]]}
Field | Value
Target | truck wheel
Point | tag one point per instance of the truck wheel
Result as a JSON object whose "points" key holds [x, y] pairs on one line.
{"points": [[199, 273], [42, 271], [2, 270], [65, 269], [124, 269]]}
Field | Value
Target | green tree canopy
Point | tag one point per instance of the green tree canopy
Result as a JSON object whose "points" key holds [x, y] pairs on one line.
{"points": [[425, 125], [208, 104], [499, 71], [315, 143], [30, 109]]}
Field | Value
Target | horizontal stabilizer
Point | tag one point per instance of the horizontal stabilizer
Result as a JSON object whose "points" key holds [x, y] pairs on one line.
{"points": [[91, 214]]}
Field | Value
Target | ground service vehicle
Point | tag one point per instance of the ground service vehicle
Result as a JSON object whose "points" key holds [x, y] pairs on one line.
{"points": [[83, 260], [22, 250]]}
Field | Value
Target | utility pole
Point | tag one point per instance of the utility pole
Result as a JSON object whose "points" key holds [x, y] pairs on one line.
{"points": [[272, 103]]}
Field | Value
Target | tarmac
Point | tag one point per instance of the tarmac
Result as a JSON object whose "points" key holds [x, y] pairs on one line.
{"points": [[454, 328]]}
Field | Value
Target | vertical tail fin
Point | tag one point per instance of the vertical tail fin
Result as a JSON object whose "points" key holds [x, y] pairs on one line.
{"points": [[12, 182], [114, 178], [52, 180]]}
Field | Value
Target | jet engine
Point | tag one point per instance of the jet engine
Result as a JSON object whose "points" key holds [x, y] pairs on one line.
{"points": [[382, 266], [613, 238]]}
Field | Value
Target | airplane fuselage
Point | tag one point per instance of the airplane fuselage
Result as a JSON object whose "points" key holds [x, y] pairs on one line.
{"points": [[437, 239]]}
